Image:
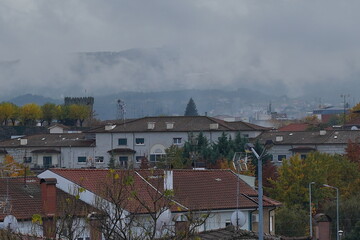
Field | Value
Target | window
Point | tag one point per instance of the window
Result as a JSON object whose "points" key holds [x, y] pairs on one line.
{"points": [[123, 161], [122, 141], [27, 159], [139, 158], [245, 135], [177, 141], [281, 157], [303, 156], [228, 222], [99, 159], [47, 161], [82, 159], [139, 141], [156, 157]]}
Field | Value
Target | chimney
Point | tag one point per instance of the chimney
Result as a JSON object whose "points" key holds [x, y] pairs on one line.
{"points": [[48, 200], [322, 132], [23, 141], [214, 126], [150, 125], [168, 180], [279, 138]]}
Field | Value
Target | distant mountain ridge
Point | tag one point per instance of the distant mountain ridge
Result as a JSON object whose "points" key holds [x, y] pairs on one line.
{"points": [[30, 98], [140, 104]]}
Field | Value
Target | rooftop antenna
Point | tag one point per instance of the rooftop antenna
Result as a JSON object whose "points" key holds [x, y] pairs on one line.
{"points": [[240, 160], [344, 96], [5, 203], [121, 110]]}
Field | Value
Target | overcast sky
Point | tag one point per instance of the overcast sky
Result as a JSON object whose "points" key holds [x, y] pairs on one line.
{"points": [[280, 46]]}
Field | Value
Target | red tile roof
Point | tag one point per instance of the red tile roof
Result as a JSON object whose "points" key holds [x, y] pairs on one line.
{"points": [[213, 189], [195, 189], [24, 200], [24, 197], [295, 127], [97, 181]]}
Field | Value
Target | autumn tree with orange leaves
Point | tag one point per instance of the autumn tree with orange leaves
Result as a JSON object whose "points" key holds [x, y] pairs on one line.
{"points": [[352, 151], [11, 168]]}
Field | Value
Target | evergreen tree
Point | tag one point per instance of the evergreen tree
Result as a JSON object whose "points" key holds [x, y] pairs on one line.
{"points": [[191, 109]]}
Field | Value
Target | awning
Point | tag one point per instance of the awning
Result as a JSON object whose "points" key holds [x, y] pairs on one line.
{"points": [[122, 150], [302, 149]]}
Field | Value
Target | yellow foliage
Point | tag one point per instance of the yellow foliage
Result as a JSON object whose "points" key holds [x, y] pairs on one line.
{"points": [[353, 112], [12, 168]]}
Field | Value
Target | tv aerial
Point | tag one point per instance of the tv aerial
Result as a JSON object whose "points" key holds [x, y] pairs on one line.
{"points": [[121, 110], [240, 160]]}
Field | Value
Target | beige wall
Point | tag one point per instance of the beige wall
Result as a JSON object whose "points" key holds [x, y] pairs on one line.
{"points": [[267, 215]]}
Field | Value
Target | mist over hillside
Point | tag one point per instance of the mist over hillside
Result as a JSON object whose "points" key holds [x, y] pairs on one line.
{"points": [[146, 70], [241, 102]]}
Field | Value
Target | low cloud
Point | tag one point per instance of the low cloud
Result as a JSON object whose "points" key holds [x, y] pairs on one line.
{"points": [[285, 46]]}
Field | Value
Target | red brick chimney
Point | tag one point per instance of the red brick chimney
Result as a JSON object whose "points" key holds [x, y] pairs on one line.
{"points": [[48, 200]]}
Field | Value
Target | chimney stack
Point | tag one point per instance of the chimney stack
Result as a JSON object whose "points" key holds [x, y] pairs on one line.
{"points": [[168, 180], [48, 200]]}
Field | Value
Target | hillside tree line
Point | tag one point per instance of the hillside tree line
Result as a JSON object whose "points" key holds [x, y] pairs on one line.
{"points": [[32, 114]]}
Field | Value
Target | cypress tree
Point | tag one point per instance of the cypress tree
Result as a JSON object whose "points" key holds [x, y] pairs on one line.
{"points": [[191, 109]]}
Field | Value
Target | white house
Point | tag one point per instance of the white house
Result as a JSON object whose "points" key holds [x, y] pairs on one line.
{"points": [[71, 150], [289, 143], [128, 142], [218, 193]]}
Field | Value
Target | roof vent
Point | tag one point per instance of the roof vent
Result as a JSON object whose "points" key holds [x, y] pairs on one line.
{"points": [[109, 127], [23, 141], [151, 125], [169, 125], [279, 138], [335, 137], [214, 126], [322, 132]]}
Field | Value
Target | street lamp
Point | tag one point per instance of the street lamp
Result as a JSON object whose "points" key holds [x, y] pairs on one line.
{"points": [[337, 209], [260, 187], [310, 211]]}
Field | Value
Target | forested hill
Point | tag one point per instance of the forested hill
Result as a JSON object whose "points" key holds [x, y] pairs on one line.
{"points": [[139, 104]]}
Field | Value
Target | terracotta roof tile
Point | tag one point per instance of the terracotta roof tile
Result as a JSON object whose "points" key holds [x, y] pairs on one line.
{"points": [[295, 127], [195, 189], [24, 200], [96, 180]]}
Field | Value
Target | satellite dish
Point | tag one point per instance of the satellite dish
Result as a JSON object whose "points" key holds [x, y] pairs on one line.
{"points": [[10, 222], [238, 218], [163, 219]]}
